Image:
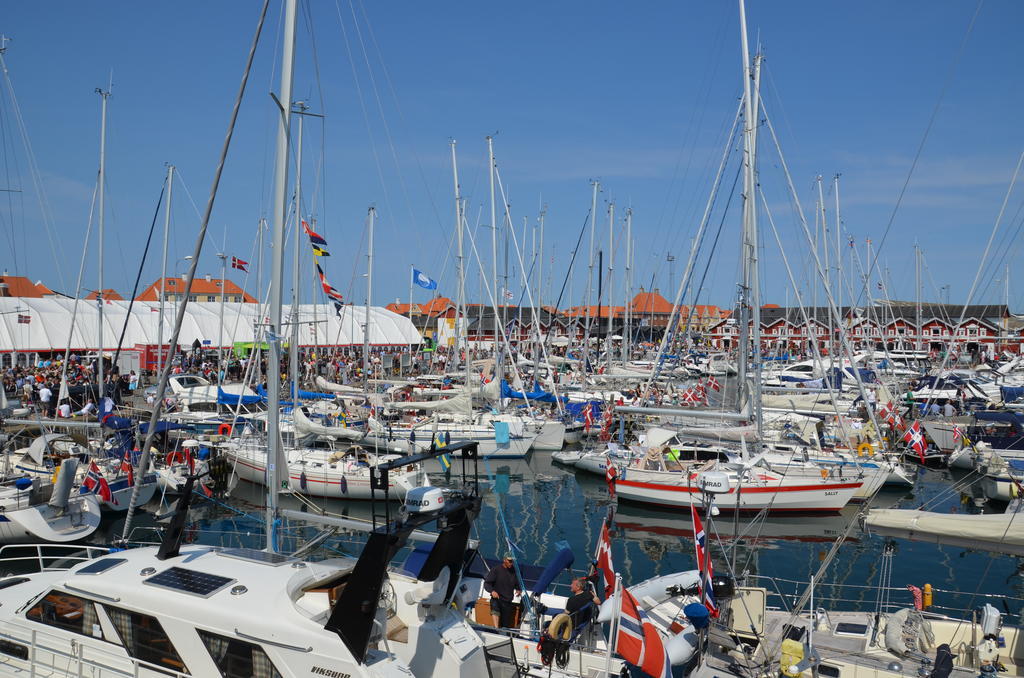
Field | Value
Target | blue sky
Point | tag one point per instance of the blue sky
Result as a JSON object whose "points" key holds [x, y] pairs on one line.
{"points": [[638, 95]]}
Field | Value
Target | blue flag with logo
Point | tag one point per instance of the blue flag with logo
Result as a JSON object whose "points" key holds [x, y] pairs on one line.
{"points": [[423, 281]]}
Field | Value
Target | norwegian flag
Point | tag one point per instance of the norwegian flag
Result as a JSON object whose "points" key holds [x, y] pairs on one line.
{"points": [[240, 264], [588, 417], [915, 439], [610, 474], [604, 557], [713, 383], [638, 640], [957, 433], [127, 468], [95, 483], [707, 593]]}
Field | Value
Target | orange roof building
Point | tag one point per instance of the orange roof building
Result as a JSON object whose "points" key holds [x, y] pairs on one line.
{"points": [[108, 294], [20, 286], [203, 289], [436, 307]]}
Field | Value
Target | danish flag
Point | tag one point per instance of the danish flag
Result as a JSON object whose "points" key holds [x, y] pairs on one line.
{"points": [[707, 593], [915, 439], [239, 264], [610, 474], [638, 640], [604, 557], [713, 383], [588, 417], [957, 433]]}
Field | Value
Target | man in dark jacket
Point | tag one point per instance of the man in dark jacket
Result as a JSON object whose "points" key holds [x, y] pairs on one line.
{"points": [[503, 586]]}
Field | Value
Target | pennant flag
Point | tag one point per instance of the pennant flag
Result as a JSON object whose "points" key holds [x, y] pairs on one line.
{"points": [[316, 241], [604, 557], [638, 640], [423, 281], [240, 264], [507, 294], [713, 383], [915, 439], [95, 482], [24, 319], [707, 593], [610, 474], [332, 294]]}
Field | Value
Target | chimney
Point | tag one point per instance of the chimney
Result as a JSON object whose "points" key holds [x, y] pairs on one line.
{"points": [[209, 278]]}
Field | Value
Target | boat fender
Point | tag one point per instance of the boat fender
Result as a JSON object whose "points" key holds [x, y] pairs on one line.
{"points": [[928, 596], [560, 627], [343, 484], [865, 450], [302, 481], [681, 646], [224, 429]]}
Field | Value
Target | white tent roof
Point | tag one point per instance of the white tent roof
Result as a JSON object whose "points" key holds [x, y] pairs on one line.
{"points": [[50, 326]]}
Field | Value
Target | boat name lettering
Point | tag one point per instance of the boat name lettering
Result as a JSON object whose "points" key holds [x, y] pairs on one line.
{"points": [[831, 493], [331, 673]]}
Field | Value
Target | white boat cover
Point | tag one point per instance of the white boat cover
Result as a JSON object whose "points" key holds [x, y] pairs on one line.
{"points": [[48, 329], [990, 532], [303, 424], [460, 404]]}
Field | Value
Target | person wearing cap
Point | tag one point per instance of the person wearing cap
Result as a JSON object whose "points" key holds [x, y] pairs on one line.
{"points": [[503, 586]]}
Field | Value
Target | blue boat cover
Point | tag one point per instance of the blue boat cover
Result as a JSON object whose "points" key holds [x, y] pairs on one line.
{"points": [[161, 426], [1011, 393], [286, 390], [538, 394], [225, 398], [562, 561]]}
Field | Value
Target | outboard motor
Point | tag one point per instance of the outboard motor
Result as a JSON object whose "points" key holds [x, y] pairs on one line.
{"points": [[65, 481]]}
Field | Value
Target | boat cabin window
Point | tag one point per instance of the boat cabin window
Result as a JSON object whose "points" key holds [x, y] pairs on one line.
{"points": [[68, 612], [851, 629], [144, 639], [238, 659], [828, 671], [16, 650]]}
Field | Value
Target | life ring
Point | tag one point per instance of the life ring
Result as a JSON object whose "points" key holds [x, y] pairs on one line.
{"points": [[560, 627], [224, 429], [180, 457], [865, 450]]}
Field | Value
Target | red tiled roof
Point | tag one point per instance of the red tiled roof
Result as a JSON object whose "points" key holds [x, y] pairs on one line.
{"points": [[20, 286], [107, 294], [199, 286], [650, 302], [434, 307]]}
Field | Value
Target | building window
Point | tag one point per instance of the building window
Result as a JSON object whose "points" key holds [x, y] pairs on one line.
{"points": [[936, 331], [238, 659], [68, 612], [144, 639], [191, 297]]}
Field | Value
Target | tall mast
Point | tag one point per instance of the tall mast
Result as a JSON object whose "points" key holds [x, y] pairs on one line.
{"points": [[161, 356], [494, 253], [104, 95], [751, 296], [461, 318], [300, 108], [627, 335], [276, 461], [372, 216], [611, 288], [596, 185]]}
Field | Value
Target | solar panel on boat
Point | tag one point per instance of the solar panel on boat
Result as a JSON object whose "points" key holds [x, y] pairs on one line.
{"points": [[189, 581], [254, 555], [101, 565]]}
